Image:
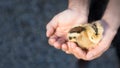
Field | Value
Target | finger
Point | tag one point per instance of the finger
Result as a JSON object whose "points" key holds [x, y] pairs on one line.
{"points": [[68, 52], [64, 47], [52, 40], [77, 51], [51, 27], [72, 48], [68, 48], [80, 53], [50, 31], [59, 42]]}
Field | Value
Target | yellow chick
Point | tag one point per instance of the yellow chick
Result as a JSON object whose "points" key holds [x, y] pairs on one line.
{"points": [[86, 36]]}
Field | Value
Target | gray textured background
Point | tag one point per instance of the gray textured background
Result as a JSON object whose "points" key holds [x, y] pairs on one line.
{"points": [[23, 43]]}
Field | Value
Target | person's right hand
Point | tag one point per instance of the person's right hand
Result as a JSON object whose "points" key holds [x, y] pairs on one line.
{"points": [[59, 26]]}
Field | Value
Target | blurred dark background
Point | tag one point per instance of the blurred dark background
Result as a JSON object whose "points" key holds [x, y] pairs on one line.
{"points": [[23, 42]]}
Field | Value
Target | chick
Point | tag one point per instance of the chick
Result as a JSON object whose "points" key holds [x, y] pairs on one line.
{"points": [[86, 36]]}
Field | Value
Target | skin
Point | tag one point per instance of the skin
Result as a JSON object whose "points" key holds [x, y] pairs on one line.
{"points": [[77, 13]]}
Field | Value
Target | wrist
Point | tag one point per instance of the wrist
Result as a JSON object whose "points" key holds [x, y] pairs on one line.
{"points": [[112, 14], [107, 27], [80, 6], [112, 24]]}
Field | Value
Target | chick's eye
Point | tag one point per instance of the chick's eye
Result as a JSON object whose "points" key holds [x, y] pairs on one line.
{"points": [[70, 38], [74, 37], [91, 37]]}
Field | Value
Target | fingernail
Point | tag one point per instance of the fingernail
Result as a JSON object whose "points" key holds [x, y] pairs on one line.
{"points": [[47, 34], [67, 52]]}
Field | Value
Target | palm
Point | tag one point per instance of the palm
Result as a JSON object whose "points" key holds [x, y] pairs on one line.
{"points": [[99, 49], [66, 20], [62, 24]]}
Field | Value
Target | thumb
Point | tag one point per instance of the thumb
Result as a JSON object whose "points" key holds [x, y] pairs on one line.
{"points": [[51, 27], [102, 46], [98, 50], [94, 53]]}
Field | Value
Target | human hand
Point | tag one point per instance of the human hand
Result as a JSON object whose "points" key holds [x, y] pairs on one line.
{"points": [[102, 46], [59, 26]]}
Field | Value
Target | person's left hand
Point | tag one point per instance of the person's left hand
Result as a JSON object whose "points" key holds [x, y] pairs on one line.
{"points": [[102, 46]]}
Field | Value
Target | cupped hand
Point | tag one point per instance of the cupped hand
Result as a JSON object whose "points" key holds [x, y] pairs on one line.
{"points": [[102, 46], [59, 26]]}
